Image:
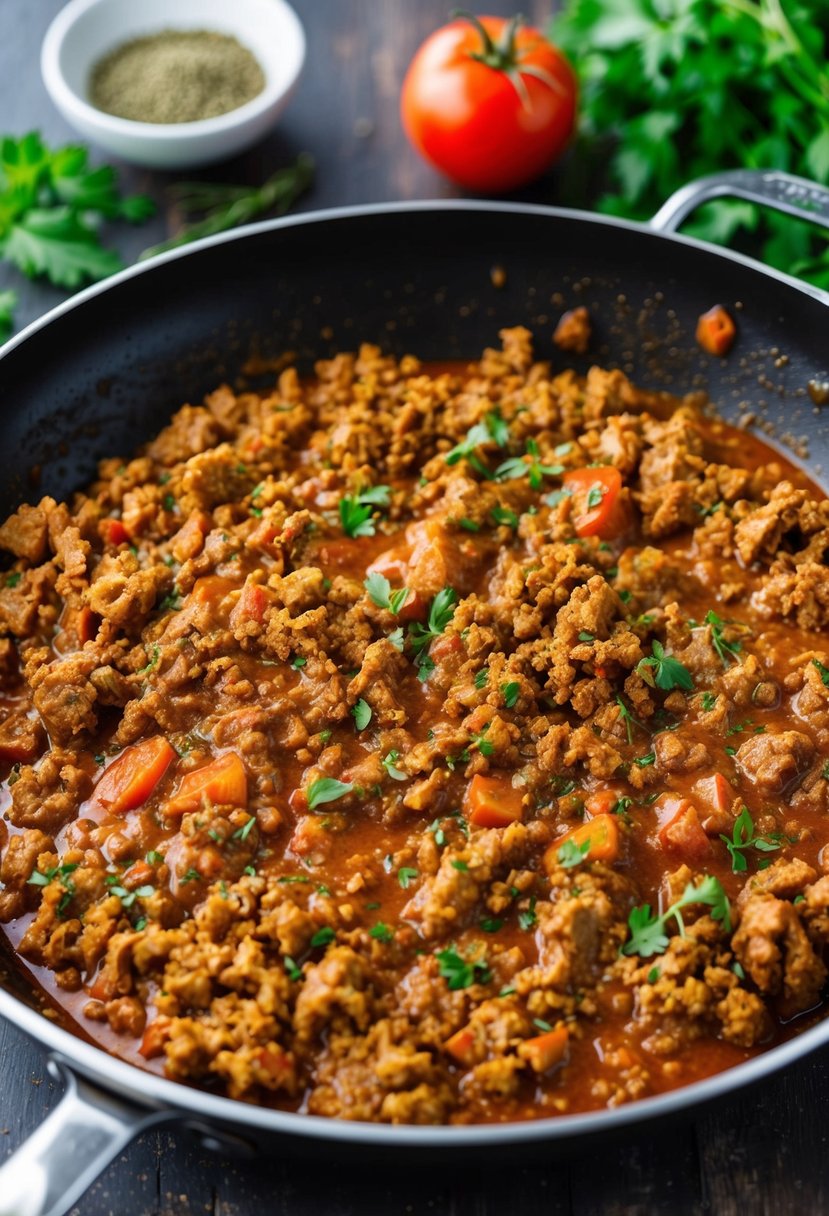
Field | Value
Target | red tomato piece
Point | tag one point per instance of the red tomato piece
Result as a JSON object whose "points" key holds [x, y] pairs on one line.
{"points": [[113, 532], [489, 102], [683, 834], [601, 802], [223, 782], [716, 331], [493, 802], [129, 780], [461, 1046], [598, 507]]}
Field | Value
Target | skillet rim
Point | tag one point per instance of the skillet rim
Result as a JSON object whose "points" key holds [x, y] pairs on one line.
{"points": [[148, 1089]]}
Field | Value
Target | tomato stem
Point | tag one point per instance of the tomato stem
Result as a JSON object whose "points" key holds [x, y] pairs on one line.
{"points": [[501, 55]]}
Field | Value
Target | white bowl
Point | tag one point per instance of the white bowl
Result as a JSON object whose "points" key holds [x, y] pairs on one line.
{"points": [[86, 30]]}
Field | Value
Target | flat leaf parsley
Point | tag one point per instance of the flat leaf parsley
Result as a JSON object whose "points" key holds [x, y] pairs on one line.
{"points": [[647, 930]]}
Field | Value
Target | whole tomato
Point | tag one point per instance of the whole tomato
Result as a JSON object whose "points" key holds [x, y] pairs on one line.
{"points": [[489, 101]]}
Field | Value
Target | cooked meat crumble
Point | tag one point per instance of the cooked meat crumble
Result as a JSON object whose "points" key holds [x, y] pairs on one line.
{"points": [[424, 744]]}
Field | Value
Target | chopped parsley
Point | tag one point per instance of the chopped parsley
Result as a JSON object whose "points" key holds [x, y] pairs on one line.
{"points": [[438, 833], [460, 972], [727, 651], [491, 924], [323, 936], [361, 713], [664, 671], [406, 876], [644, 761], [14, 578], [154, 655], [528, 918], [484, 746], [389, 763], [192, 875], [481, 678], [381, 932], [503, 515], [298, 662], [517, 466], [510, 693], [326, 789], [709, 700], [571, 854], [742, 837], [493, 429], [291, 968], [243, 832], [356, 511], [380, 592], [629, 720], [441, 611], [647, 931]]}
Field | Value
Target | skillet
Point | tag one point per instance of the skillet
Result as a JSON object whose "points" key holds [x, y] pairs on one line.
{"points": [[104, 371]]}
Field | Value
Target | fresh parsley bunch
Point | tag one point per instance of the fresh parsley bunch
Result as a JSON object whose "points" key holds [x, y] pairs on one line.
{"points": [[50, 205], [676, 89]]}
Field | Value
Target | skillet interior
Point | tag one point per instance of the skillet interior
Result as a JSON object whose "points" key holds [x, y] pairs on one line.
{"points": [[102, 377], [104, 374]]}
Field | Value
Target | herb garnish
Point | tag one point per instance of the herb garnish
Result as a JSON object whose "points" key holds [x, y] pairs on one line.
{"points": [[510, 693], [381, 932], [571, 854], [528, 918], [406, 875], [361, 713], [743, 837], [356, 511], [647, 931], [667, 671], [323, 936], [326, 789], [824, 671], [493, 429], [517, 466], [441, 611], [380, 592], [726, 650], [389, 763], [460, 972]]}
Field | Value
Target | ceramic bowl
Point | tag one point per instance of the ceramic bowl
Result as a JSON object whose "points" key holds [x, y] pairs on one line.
{"points": [[86, 30]]}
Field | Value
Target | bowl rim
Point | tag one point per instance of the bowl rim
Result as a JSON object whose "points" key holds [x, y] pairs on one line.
{"points": [[67, 98]]}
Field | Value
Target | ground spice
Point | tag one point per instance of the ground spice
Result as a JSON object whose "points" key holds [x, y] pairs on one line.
{"points": [[176, 76]]}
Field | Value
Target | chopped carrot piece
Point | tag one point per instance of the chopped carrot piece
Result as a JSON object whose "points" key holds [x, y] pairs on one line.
{"points": [[139, 873], [716, 791], [601, 802], [598, 506], [223, 782], [129, 780], [600, 834], [716, 331], [155, 1036], [461, 1046], [683, 833], [493, 802], [250, 605], [546, 1050]]}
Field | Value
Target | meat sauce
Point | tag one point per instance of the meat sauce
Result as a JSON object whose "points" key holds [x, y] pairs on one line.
{"points": [[358, 734]]}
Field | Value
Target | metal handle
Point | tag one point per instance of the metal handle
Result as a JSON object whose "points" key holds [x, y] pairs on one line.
{"points": [[770, 188], [53, 1168]]}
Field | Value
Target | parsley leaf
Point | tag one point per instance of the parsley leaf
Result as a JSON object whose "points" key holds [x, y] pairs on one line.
{"points": [[361, 713], [389, 762], [571, 854], [824, 671], [323, 936], [460, 972], [493, 429], [518, 466], [727, 651], [742, 837], [381, 932], [441, 611], [8, 300], [357, 510], [326, 789], [510, 693], [647, 931], [380, 592], [667, 671], [406, 875]]}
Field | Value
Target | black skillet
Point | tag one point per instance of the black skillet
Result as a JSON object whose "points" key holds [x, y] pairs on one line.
{"points": [[104, 371]]}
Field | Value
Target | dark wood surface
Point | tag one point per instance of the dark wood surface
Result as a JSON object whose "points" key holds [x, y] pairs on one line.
{"points": [[765, 1152]]}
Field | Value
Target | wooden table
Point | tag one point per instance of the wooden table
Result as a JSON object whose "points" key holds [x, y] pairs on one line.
{"points": [[764, 1152]]}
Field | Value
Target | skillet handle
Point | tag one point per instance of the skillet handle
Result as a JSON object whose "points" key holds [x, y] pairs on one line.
{"points": [[770, 188], [53, 1168]]}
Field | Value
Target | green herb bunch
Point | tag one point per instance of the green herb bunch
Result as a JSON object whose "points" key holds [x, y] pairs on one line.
{"points": [[676, 89], [51, 203]]}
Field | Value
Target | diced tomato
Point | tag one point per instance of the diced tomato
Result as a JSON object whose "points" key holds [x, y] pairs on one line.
{"points": [[250, 605], [683, 833], [716, 331], [493, 802], [155, 1036], [129, 780], [546, 1050], [298, 801], [716, 791], [223, 782], [211, 589], [113, 532], [601, 834], [444, 646], [101, 989], [601, 802], [461, 1046], [598, 506], [310, 836]]}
